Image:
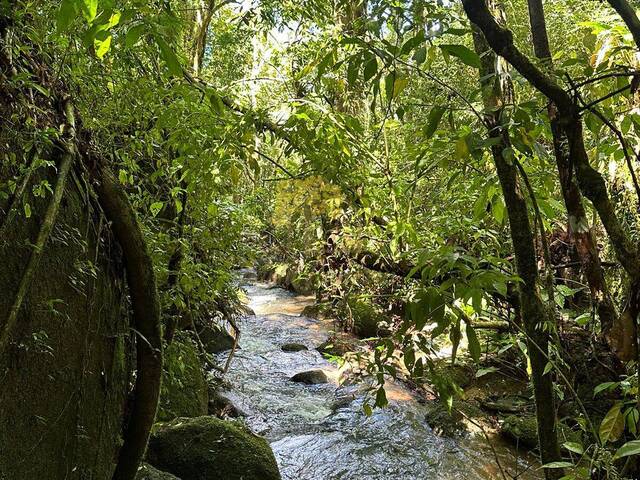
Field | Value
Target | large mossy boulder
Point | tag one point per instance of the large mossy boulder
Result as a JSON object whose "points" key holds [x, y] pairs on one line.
{"points": [[184, 388], [215, 338], [207, 448], [67, 367], [287, 276], [523, 429]]}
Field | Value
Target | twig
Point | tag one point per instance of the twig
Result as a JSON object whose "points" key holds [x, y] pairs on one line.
{"points": [[236, 339]]}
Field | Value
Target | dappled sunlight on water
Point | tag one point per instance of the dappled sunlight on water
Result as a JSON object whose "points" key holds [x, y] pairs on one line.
{"points": [[321, 431]]}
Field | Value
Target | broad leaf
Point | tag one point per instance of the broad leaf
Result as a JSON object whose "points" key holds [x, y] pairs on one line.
{"points": [[435, 115], [628, 449], [612, 424], [474, 343], [468, 57]]}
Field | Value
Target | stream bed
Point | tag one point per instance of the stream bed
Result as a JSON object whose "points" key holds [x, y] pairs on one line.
{"points": [[320, 432]]}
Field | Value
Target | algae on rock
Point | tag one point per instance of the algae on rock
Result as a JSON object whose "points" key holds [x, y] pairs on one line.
{"points": [[184, 387], [207, 448]]}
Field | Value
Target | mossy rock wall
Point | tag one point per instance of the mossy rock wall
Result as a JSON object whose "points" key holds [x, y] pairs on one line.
{"points": [[184, 390], [66, 373]]}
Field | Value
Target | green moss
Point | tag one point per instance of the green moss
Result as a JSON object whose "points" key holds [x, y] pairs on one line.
{"points": [[147, 472], [460, 375], [207, 448], [287, 276], [523, 429], [450, 423], [184, 388], [365, 317], [215, 338], [67, 369]]}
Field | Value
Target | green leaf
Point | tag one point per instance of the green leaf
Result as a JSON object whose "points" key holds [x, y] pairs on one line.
{"points": [[381, 398], [435, 115], [89, 9], [134, 34], [558, 465], [101, 47], [474, 343], [389, 80], [399, 85], [574, 447], [612, 424], [462, 149], [155, 208], [583, 319], [66, 15], [628, 449], [216, 102], [603, 386], [420, 55], [370, 68], [353, 68], [484, 371], [368, 411], [169, 57], [27, 210], [468, 57], [498, 209]]}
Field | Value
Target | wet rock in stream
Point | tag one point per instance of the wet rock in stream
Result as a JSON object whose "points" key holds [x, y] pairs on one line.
{"points": [[221, 405], [321, 431], [310, 377], [293, 347]]}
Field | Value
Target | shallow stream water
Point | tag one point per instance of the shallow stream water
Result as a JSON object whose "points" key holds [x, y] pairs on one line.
{"points": [[320, 432]]}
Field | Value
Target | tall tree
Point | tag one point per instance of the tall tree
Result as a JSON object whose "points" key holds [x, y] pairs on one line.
{"points": [[615, 328], [497, 91]]}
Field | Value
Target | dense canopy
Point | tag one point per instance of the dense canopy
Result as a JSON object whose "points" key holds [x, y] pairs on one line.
{"points": [[454, 181]]}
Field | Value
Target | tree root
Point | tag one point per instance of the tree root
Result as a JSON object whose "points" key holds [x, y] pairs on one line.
{"points": [[146, 318], [45, 229]]}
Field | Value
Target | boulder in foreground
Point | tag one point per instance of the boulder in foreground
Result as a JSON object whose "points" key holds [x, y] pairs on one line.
{"points": [[207, 448]]}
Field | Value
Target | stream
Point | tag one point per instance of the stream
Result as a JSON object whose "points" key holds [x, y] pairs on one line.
{"points": [[321, 431]]}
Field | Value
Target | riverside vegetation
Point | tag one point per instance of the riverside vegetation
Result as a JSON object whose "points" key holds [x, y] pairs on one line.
{"points": [[450, 187]]}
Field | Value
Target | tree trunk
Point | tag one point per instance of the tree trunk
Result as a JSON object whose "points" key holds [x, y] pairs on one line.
{"points": [[146, 314], [611, 324], [497, 90]]}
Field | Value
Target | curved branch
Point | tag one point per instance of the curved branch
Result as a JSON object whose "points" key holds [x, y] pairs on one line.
{"points": [[628, 15], [501, 41], [146, 318]]}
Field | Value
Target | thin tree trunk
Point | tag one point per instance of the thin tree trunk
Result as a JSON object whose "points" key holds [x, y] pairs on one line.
{"points": [[611, 323], [142, 286], [174, 265], [497, 91]]}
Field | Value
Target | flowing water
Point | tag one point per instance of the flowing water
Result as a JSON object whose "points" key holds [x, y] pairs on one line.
{"points": [[320, 432]]}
